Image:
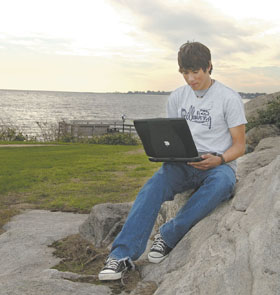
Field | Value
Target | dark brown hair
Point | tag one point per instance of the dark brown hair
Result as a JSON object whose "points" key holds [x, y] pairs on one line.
{"points": [[194, 56]]}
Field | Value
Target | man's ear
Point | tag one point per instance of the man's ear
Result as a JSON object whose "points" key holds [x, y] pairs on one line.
{"points": [[210, 68]]}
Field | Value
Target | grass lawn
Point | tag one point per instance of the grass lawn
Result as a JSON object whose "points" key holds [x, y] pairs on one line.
{"points": [[70, 177]]}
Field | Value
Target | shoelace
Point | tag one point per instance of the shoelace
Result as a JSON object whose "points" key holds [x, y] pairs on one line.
{"points": [[158, 243], [112, 263]]}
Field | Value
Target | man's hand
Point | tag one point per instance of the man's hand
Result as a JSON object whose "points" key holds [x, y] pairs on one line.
{"points": [[210, 161], [236, 150]]}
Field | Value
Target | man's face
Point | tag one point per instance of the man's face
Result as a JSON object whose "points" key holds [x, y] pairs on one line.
{"points": [[197, 79]]}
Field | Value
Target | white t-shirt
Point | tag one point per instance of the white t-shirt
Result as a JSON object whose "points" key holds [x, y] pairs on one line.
{"points": [[210, 117]]}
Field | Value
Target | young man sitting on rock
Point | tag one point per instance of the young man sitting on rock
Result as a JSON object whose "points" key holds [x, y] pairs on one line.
{"points": [[215, 114]]}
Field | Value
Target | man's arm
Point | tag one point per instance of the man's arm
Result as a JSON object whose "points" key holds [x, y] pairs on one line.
{"points": [[236, 150], [238, 143]]}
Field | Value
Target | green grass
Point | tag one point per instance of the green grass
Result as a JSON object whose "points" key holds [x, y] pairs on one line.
{"points": [[71, 177]]}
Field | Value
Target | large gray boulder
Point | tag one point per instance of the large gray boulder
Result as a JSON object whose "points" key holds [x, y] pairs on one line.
{"points": [[230, 251]]}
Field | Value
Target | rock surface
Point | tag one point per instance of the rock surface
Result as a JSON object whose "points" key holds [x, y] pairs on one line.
{"points": [[104, 223], [26, 259], [265, 152], [231, 251], [259, 103], [256, 134]]}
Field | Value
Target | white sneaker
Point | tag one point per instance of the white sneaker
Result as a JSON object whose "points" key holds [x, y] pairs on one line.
{"points": [[159, 250], [114, 269]]}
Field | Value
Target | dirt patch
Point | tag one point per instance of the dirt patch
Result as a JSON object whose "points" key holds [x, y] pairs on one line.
{"points": [[136, 152], [81, 257]]}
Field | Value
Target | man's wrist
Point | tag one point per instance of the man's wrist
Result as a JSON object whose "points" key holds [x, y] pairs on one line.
{"points": [[222, 158]]}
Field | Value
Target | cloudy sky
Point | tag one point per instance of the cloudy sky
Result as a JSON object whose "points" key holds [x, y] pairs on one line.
{"points": [[122, 45]]}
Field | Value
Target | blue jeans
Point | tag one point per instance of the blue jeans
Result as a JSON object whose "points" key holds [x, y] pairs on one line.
{"points": [[213, 187]]}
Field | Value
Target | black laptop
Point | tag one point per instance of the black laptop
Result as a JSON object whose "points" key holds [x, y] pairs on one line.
{"points": [[167, 140]]}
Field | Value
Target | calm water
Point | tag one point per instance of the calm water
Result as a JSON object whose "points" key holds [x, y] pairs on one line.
{"points": [[22, 109]]}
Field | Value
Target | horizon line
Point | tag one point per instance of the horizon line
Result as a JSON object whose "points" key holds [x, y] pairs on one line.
{"points": [[114, 92]]}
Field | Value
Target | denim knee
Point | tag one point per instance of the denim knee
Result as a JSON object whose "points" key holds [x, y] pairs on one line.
{"points": [[225, 181]]}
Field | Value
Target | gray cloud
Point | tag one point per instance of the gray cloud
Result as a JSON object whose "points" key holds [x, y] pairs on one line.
{"points": [[195, 20], [272, 71]]}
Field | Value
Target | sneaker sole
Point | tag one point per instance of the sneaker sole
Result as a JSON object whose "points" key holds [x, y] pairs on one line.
{"points": [[156, 259], [109, 276]]}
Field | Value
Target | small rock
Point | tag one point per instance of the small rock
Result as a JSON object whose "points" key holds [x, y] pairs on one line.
{"points": [[104, 222]]}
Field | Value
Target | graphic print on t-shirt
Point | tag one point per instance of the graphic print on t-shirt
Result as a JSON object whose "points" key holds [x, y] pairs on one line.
{"points": [[200, 116]]}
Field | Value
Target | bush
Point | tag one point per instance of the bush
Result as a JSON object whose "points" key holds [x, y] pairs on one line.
{"points": [[11, 134], [271, 115], [115, 139], [50, 133]]}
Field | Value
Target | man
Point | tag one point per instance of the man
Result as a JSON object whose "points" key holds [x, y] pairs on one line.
{"points": [[215, 114]]}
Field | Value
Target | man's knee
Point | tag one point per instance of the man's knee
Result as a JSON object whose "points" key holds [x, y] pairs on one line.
{"points": [[224, 182]]}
